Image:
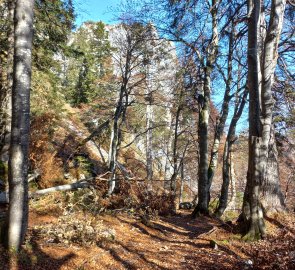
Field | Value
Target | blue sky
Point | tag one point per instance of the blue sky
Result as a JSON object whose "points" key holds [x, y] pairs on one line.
{"points": [[95, 10]]}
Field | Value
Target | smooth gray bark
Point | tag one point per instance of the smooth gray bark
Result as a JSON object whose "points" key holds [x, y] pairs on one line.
{"points": [[262, 59], [175, 150], [20, 127], [272, 197], [204, 111], [4, 196], [232, 203], [224, 111], [113, 152], [120, 110], [149, 137], [227, 164], [149, 96], [252, 210], [5, 95], [168, 163], [181, 182], [82, 184]]}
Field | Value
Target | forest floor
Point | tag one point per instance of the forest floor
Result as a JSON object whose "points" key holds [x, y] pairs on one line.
{"points": [[175, 242]]}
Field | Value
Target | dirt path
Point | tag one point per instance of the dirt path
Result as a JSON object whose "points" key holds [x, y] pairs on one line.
{"points": [[176, 242]]}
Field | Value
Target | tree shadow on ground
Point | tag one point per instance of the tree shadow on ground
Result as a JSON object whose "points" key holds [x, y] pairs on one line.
{"points": [[172, 243], [31, 256], [183, 224], [139, 258], [279, 224], [185, 228]]}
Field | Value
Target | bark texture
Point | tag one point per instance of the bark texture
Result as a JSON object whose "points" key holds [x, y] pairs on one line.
{"points": [[4, 196], [115, 139], [168, 164], [262, 59], [227, 162], [5, 94], [121, 106], [18, 162], [149, 136], [272, 198], [204, 111], [224, 111], [175, 152]]}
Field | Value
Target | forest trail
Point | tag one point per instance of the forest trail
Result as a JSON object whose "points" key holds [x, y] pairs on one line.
{"points": [[175, 242]]}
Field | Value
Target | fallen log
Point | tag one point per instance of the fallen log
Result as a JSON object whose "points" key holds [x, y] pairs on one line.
{"points": [[4, 196], [80, 184]]}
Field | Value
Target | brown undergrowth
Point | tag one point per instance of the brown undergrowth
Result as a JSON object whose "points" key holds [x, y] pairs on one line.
{"points": [[68, 238]]}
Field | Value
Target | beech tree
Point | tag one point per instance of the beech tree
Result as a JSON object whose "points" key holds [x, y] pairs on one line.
{"points": [[229, 36], [227, 161], [18, 158], [263, 187], [6, 85], [129, 40], [211, 55]]}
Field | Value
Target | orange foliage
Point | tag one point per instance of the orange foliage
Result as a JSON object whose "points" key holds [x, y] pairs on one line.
{"points": [[42, 154]]}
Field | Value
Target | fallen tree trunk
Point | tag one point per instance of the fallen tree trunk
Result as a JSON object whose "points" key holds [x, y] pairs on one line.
{"points": [[81, 184], [4, 196]]}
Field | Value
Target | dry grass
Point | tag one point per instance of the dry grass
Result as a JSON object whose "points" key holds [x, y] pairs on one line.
{"points": [[175, 242]]}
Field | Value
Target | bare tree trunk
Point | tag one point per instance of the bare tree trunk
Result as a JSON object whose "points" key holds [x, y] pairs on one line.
{"points": [[18, 162], [181, 182], [4, 196], [226, 180], [113, 157], [113, 152], [230, 139], [232, 203], [149, 138], [260, 111], [5, 95], [168, 164], [224, 112], [272, 198], [203, 184], [252, 211], [175, 152]]}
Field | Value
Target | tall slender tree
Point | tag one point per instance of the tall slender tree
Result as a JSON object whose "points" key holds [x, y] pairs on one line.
{"points": [[5, 95], [262, 177], [227, 162], [18, 159], [205, 98], [129, 41]]}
